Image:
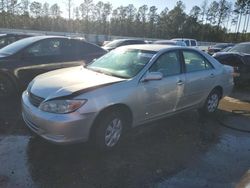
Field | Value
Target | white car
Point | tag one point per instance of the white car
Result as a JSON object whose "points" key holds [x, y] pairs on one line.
{"points": [[189, 42]]}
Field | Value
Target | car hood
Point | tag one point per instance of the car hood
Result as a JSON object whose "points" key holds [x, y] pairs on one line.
{"points": [[64, 82]]}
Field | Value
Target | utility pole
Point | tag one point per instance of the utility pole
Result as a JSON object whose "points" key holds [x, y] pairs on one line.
{"points": [[69, 4]]}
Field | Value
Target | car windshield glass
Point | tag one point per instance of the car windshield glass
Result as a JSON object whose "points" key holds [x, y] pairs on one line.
{"points": [[123, 63], [16, 46], [166, 42], [220, 45], [113, 44], [242, 48]]}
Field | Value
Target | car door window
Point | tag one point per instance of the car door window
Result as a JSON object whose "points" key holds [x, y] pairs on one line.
{"points": [[187, 42], [168, 64], [195, 62], [193, 43], [70, 49], [46, 48], [88, 48]]}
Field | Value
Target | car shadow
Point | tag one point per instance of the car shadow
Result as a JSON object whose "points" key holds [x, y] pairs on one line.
{"points": [[145, 156], [241, 93], [10, 116]]}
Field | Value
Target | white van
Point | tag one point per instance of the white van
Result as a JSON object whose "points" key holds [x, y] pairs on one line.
{"points": [[189, 42]]}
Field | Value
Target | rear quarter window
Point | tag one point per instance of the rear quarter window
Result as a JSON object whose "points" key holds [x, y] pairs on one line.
{"points": [[88, 48]]}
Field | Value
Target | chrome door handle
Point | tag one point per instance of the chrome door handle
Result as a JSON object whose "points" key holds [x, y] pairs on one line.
{"points": [[180, 82]]}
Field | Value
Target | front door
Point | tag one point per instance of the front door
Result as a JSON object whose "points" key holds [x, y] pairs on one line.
{"points": [[39, 58], [159, 97]]}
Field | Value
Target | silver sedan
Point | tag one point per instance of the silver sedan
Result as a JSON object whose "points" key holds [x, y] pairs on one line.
{"points": [[125, 88]]}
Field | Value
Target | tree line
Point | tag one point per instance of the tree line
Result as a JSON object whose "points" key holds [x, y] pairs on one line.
{"points": [[216, 21]]}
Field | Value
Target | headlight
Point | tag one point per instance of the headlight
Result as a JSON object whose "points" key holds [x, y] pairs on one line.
{"points": [[30, 85], [61, 106]]}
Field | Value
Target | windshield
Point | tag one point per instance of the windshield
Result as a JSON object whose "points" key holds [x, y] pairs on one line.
{"points": [[220, 45], [241, 48], [113, 44], [123, 63], [16, 46]]}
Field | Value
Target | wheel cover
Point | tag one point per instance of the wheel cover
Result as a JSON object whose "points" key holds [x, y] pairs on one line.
{"points": [[113, 132], [212, 102]]}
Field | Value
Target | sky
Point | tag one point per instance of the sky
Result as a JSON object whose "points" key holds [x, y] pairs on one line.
{"points": [[160, 4]]}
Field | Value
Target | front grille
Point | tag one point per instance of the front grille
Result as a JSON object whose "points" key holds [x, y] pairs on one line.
{"points": [[35, 100]]}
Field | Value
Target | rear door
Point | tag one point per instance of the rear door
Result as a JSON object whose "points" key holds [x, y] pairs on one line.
{"points": [[78, 52], [41, 57], [199, 78], [160, 97]]}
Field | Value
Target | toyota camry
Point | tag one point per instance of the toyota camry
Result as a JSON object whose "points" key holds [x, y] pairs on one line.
{"points": [[127, 87]]}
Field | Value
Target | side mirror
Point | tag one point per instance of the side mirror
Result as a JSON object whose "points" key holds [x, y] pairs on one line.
{"points": [[152, 76]]}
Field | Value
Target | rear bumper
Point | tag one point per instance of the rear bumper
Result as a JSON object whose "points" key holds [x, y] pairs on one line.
{"points": [[57, 128]]}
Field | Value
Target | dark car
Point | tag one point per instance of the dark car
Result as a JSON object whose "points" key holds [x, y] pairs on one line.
{"points": [[122, 42], [238, 57], [6, 39], [218, 47], [21, 61]]}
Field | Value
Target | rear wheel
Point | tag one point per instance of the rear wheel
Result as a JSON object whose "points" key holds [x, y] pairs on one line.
{"points": [[212, 102], [109, 130], [7, 87]]}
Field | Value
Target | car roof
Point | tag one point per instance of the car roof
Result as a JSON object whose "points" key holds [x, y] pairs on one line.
{"points": [[20, 44], [128, 40], [33, 39], [46, 37], [244, 43], [182, 39], [152, 47], [17, 34]]}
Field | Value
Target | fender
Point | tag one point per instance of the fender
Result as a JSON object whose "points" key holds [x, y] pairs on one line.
{"points": [[82, 91]]}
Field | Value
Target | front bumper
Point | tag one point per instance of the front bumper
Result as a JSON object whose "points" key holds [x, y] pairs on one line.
{"points": [[57, 128]]}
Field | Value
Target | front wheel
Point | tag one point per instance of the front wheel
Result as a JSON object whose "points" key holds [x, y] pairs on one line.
{"points": [[212, 102], [109, 130]]}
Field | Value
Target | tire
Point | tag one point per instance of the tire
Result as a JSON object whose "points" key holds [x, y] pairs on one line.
{"points": [[7, 87], [212, 102], [109, 131]]}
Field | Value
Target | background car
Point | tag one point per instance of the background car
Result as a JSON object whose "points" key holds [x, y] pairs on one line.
{"points": [[189, 42], [122, 42], [238, 57], [170, 42], [127, 87], [218, 47], [21, 61], [226, 49], [6, 39]]}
